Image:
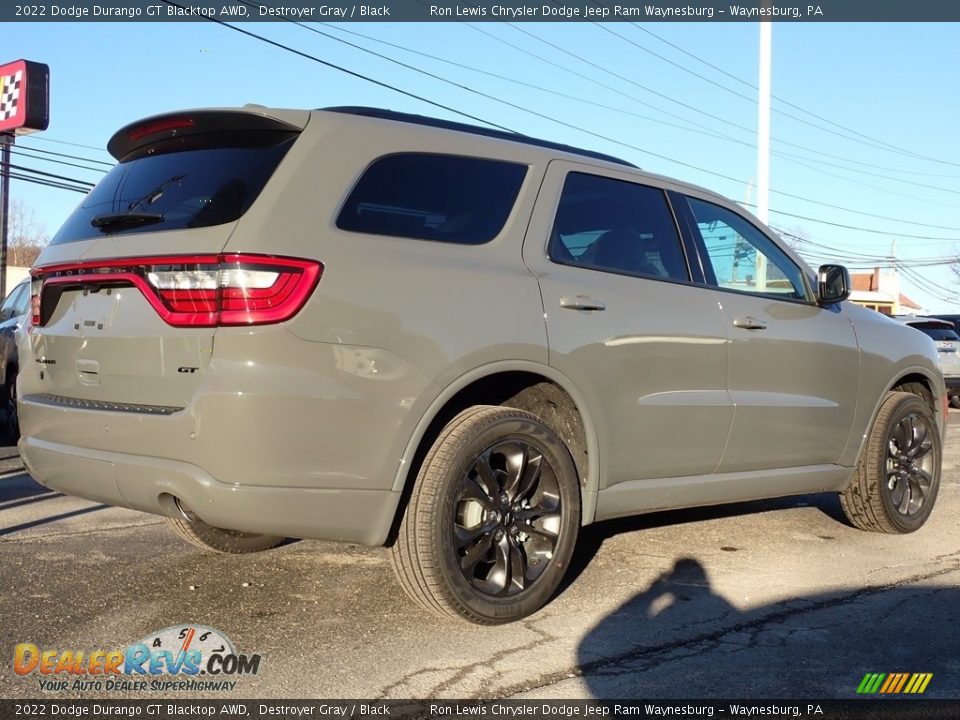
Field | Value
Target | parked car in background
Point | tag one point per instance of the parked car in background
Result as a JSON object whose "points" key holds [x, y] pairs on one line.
{"points": [[947, 340], [358, 325], [13, 319], [952, 319]]}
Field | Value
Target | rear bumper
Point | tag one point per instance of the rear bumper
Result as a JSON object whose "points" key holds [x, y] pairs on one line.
{"points": [[151, 484]]}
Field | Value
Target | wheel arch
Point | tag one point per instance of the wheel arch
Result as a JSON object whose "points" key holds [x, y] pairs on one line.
{"points": [[908, 380], [496, 384]]}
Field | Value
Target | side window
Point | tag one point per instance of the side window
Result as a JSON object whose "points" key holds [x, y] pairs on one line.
{"points": [[617, 226], [22, 303], [743, 258], [8, 309], [448, 198]]}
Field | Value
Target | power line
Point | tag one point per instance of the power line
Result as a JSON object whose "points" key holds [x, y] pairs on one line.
{"points": [[352, 73], [904, 151], [50, 175], [25, 153], [64, 142], [48, 183], [737, 126], [503, 101], [72, 157]]}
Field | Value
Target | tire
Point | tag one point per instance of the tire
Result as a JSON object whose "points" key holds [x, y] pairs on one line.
{"points": [[955, 401], [898, 475], [492, 520], [231, 542], [10, 398]]}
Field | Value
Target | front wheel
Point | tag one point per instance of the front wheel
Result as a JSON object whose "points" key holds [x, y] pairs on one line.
{"points": [[898, 474], [492, 520]]}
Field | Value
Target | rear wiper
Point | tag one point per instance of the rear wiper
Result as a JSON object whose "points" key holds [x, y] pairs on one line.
{"points": [[124, 221], [151, 197]]}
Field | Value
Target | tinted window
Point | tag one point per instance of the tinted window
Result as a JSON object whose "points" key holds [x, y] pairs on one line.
{"points": [[937, 332], [433, 197], [11, 306], [743, 258], [211, 183], [618, 226], [22, 302]]}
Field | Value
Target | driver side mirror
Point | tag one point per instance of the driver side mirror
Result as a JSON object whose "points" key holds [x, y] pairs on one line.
{"points": [[833, 284]]}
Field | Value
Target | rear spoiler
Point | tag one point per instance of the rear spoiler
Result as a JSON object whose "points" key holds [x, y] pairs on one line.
{"points": [[158, 128]]}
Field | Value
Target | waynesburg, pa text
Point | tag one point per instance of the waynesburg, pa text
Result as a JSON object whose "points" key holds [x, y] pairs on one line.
{"points": [[596, 12]]}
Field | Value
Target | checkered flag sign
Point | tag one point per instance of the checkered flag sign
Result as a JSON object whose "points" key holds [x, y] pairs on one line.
{"points": [[24, 97], [10, 94]]}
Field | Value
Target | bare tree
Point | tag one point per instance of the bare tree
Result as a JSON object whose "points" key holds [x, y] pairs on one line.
{"points": [[26, 237]]}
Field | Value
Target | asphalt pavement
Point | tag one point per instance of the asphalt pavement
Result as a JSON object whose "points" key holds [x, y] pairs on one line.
{"points": [[769, 599]]}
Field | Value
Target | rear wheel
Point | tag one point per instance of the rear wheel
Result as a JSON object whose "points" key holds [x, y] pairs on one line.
{"points": [[898, 474], [492, 520], [219, 540]]}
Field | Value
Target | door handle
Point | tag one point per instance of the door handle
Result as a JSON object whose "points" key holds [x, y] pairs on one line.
{"points": [[749, 323], [582, 302]]}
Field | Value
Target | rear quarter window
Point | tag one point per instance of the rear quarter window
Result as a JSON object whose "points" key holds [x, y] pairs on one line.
{"points": [[446, 198]]}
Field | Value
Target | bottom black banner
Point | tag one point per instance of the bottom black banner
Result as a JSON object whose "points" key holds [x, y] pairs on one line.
{"points": [[508, 709]]}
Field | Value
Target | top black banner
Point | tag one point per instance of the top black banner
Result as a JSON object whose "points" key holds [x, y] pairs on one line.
{"points": [[238, 11]]}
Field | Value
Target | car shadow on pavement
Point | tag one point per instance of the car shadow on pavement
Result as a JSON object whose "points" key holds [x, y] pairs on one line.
{"points": [[680, 639], [593, 536]]}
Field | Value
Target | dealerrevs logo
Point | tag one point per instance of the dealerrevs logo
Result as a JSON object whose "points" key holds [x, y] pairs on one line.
{"points": [[184, 657]]}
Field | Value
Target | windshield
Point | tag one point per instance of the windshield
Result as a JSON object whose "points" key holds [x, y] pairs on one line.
{"points": [[211, 181]]}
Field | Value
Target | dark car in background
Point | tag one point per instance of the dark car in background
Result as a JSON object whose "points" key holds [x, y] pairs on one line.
{"points": [[13, 314], [952, 319]]}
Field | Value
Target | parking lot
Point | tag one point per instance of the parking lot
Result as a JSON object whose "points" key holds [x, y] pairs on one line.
{"points": [[768, 599]]}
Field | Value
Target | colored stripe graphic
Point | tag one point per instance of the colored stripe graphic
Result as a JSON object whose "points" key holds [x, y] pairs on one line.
{"points": [[894, 683], [871, 683]]}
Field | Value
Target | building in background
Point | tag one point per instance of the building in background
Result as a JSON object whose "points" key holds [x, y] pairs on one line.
{"points": [[879, 289]]}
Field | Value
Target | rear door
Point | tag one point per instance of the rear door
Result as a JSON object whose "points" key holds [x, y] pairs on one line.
{"points": [[625, 323], [124, 293]]}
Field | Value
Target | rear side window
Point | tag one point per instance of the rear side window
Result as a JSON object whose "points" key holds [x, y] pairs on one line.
{"points": [[208, 180], [447, 198], [616, 226]]}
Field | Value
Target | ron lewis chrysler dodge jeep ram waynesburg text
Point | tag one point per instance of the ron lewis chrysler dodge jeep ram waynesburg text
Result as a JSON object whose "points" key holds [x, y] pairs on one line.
{"points": [[357, 325]]}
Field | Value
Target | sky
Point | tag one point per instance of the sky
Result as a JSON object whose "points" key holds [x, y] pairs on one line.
{"points": [[866, 159]]}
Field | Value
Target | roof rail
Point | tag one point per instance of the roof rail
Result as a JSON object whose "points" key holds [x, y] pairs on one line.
{"points": [[473, 129]]}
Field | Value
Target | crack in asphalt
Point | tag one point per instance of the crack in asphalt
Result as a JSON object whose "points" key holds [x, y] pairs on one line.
{"points": [[608, 667], [462, 672]]}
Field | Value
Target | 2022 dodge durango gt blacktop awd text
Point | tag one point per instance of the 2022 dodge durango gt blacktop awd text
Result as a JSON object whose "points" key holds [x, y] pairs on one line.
{"points": [[357, 325]]}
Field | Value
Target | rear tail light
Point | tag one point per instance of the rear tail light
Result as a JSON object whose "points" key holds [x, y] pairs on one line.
{"points": [[192, 291], [35, 300]]}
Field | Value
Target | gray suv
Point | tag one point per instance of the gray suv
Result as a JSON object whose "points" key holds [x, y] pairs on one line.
{"points": [[357, 325]]}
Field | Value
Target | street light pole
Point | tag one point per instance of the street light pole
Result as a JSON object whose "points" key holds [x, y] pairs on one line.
{"points": [[763, 121]]}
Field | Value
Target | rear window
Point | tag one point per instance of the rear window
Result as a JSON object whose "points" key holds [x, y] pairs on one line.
{"points": [[447, 198], [937, 332], [210, 180]]}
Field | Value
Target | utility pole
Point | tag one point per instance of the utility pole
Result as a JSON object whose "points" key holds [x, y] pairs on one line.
{"points": [[763, 121], [6, 140], [763, 138]]}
